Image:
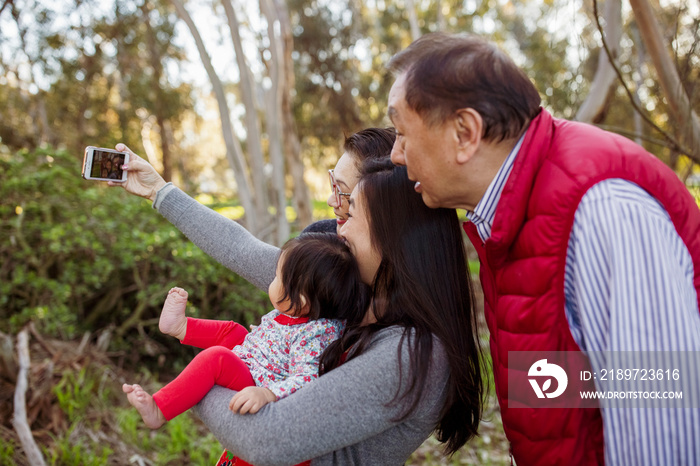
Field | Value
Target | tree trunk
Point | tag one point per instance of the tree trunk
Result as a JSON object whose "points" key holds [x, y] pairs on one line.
{"points": [[301, 199], [356, 26], [123, 96], [234, 153], [123, 70], [605, 76], [179, 171], [412, 19], [679, 104], [159, 102], [441, 22], [273, 117], [638, 123], [38, 111], [252, 122], [165, 148], [146, 128]]}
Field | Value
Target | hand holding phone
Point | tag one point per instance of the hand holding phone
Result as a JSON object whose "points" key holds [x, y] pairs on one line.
{"points": [[102, 164], [143, 180]]}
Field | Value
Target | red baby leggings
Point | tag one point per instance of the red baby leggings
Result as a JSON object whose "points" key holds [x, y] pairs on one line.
{"points": [[216, 365]]}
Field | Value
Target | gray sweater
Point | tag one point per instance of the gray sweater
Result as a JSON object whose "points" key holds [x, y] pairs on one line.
{"points": [[345, 416]]}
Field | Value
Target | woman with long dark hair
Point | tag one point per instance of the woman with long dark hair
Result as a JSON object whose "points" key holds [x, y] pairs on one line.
{"points": [[421, 285], [412, 368]]}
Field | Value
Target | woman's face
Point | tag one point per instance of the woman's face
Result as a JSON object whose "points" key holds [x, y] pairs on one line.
{"points": [[346, 178], [355, 231]]}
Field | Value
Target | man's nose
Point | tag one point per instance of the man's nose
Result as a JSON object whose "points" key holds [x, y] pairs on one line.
{"points": [[397, 155]]}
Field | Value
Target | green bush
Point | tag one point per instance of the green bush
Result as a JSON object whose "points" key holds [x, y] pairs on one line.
{"points": [[79, 256]]}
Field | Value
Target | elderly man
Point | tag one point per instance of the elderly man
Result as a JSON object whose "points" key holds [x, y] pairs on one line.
{"points": [[586, 241]]}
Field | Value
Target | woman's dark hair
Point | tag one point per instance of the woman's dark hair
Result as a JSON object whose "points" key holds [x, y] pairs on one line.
{"points": [[447, 72], [370, 143], [424, 286], [320, 267]]}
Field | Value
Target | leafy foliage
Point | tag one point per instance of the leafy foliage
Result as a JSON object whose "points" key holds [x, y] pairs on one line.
{"points": [[178, 442], [65, 451], [76, 256], [96, 74], [74, 393], [7, 451]]}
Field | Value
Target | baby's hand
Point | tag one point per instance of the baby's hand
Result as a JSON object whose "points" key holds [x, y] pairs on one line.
{"points": [[250, 400]]}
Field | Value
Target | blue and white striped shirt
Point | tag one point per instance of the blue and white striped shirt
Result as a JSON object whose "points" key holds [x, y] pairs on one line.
{"points": [[629, 287], [485, 210]]}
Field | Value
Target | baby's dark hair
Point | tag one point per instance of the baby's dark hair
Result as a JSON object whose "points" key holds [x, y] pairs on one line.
{"points": [[320, 267]]}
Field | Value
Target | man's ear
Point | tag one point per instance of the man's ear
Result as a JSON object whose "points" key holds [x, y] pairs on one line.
{"points": [[469, 127]]}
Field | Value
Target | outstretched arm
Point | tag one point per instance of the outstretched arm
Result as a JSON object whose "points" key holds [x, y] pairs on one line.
{"points": [[350, 405], [225, 240]]}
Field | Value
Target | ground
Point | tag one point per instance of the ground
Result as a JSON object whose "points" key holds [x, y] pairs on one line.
{"points": [[79, 416]]}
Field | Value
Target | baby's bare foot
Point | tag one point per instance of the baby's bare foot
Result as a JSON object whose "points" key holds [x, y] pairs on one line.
{"points": [[172, 318], [145, 405]]}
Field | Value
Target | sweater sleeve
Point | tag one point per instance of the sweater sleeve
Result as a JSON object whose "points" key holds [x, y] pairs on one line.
{"points": [[223, 239], [346, 413]]}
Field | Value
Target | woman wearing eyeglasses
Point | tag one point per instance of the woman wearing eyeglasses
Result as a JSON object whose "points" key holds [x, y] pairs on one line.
{"points": [[412, 368], [228, 242]]}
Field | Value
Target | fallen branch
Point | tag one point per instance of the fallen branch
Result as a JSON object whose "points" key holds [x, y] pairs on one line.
{"points": [[20, 418], [40, 339], [83, 343]]}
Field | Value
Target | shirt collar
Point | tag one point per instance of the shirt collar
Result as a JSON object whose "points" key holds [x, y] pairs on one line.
{"points": [[483, 214], [284, 319]]}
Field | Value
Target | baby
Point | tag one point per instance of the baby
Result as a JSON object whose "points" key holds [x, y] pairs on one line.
{"points": [[317, 290]]}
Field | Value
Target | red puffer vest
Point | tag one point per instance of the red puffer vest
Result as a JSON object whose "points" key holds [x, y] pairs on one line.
{"points": [[522, 267]]}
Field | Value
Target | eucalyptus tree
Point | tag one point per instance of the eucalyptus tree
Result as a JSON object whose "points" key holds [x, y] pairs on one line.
{"points": [[267, 148], [80, 73]]}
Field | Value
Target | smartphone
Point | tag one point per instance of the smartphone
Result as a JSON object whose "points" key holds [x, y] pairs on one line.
{"points": [[104, 164]]}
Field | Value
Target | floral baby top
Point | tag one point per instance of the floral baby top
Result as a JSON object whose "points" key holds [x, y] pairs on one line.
{"points": [[283, 352]]}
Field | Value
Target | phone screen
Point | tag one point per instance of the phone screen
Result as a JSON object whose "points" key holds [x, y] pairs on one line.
{"points": [[106, 165]]}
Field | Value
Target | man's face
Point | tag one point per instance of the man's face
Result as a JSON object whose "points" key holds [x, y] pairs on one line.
{"points": [[426, 151]]}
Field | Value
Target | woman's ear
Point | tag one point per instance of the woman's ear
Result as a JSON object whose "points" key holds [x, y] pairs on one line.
{"points": [[469, 127]]}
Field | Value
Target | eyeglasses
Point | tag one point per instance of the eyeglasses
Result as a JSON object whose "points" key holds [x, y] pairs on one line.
{"points": [[336, 190]]}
